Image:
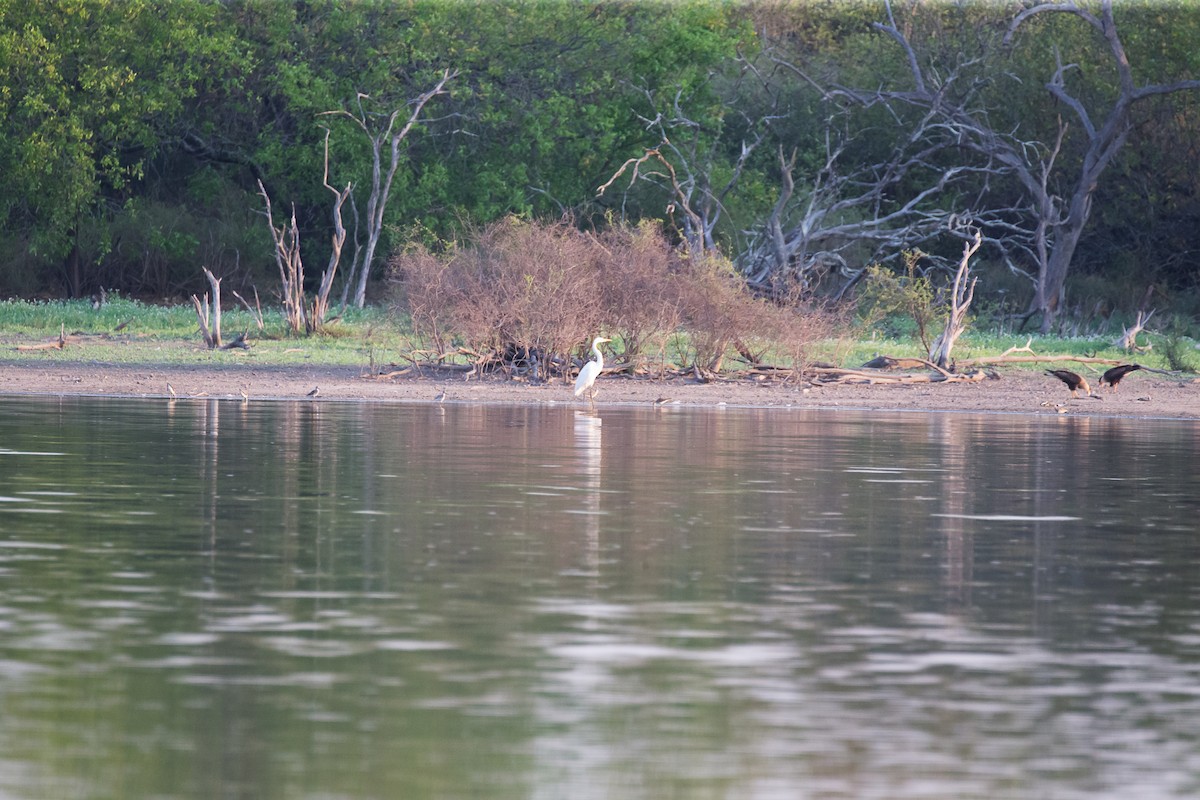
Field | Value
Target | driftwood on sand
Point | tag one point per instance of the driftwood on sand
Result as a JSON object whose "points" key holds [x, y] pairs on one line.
{"points": [[881, 370]]}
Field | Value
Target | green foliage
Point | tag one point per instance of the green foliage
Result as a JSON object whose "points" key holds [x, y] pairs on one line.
{"points": [[85, 90], [42, 318], [1176, 347], [910, 295], [132, 332], [132, 132]]}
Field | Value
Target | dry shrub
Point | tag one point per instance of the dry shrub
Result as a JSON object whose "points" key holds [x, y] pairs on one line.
{"points": [[528, 294], [427, 293], [539, 287], [522, 292], [640, 295], [718, 311], [721, 314], [791, 329]]}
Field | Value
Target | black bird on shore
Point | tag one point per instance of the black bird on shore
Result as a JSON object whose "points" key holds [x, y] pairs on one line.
{"points": [[1073, 381], [1113, 376]]}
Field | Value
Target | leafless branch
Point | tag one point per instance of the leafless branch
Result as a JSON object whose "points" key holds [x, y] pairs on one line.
{"points": [[962, 292], [381, 180], [210, 323], [320, 304], [290, 264]]}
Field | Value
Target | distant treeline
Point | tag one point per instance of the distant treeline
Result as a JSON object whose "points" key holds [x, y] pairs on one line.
{"points": [[133, 134]]}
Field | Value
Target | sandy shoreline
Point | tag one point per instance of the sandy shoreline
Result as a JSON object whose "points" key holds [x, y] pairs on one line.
{"points": [[1017, 391]]}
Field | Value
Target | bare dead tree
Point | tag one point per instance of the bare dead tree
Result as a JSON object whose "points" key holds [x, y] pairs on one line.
{"points": [[682, 164], [857, 209], [210, 324], [958, 303], [846, 208], [1045, 229], [291, 267], [1103, 142], [381, 133], [1036, 236], [320, 303], [1127, 341], [881, 209], [356, 259], [298, 314]]}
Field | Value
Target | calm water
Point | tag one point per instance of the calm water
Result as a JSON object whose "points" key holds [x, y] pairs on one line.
{"points": [[314, 600]]}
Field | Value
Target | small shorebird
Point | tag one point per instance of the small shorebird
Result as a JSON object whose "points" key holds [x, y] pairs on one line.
{"points": [[316, 390], [441, 396]]}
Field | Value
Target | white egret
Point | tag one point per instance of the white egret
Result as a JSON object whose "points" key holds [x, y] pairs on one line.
{"points": [[587, 376]]}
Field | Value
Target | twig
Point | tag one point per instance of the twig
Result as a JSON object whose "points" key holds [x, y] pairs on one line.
{"points": [[1037, 359], [255, 312]]}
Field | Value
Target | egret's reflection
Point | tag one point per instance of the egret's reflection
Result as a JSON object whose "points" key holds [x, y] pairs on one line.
{"points": [[588, 447], [954, 435]]}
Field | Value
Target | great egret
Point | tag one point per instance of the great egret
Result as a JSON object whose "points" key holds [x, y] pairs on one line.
{"points": [[1073, 381], [587, 376]]}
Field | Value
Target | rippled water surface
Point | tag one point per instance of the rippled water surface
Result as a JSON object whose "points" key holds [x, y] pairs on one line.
{"points": [[316, 600]]}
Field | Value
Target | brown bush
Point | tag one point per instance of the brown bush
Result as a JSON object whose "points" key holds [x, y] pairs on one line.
{"points": [[717, 309], [521, 291], [790, 329], [427, 293], [531, 294], [722, 316], [639, 290]]}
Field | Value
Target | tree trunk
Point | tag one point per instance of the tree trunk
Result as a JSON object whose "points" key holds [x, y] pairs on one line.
{"points": [[360, 291], [1051, 286], [1050, 293], [74, 270], [320, 304], [959, 302], [381, 185]]}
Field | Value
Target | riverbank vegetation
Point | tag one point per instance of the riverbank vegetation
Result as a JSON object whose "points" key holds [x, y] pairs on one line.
{"points": [[711, 182], [378, 341]]}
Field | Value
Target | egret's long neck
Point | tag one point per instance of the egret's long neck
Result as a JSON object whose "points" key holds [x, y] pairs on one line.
{"points": [[596, 351]]}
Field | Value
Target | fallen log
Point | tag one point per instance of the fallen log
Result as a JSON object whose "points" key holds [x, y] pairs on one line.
{"points": [[889, 362], [863, 376], [42, 346], [1037, 359], [61, 344], [1009, 357]]}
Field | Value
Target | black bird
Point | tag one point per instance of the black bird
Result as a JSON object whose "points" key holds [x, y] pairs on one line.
{"points": [[1073, 381], [1113, 376]]}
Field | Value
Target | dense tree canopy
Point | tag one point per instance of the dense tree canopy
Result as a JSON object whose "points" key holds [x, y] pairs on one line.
{"points": [[133, 133]]}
